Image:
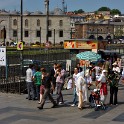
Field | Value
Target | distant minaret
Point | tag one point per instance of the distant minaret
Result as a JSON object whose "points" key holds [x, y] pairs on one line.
{"points": [[63, 5], [66, 8]]}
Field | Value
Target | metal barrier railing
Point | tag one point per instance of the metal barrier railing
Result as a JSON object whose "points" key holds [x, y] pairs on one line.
{"points": [[14, 82]]}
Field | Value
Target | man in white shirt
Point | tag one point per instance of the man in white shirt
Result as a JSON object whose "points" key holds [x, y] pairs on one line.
{"points": [[29, 81]]}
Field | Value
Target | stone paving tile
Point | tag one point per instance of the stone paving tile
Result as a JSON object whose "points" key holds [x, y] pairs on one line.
{"points": [[15, 109]]}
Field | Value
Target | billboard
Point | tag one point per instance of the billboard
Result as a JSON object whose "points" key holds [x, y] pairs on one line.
{"points": [[80, 44], [2, 56]]}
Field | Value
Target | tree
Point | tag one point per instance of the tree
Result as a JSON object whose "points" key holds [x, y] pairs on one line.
{"points": [[115, 12], [104, 9], [78, 11]]}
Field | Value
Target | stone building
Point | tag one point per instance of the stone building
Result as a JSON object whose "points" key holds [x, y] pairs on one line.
{"points": [[100, 31], [34, 26]]}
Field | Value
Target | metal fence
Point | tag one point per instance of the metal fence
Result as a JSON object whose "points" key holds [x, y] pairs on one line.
{"points": [[10, 76]]}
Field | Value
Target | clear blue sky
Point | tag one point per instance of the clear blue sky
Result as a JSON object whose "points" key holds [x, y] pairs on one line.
{"points": [[86, 5]]}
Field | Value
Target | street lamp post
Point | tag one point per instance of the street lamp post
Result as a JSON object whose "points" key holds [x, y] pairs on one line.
{"points": [[47, 18]]}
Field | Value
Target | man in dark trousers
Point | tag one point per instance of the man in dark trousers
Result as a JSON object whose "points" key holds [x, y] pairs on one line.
{"points": [[46, 81], [52, 74]]}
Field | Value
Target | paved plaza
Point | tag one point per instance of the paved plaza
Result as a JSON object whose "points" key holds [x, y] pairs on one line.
{"points": [[16, 109]]}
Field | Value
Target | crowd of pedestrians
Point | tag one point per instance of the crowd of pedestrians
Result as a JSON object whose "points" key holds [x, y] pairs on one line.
{"points": [[41, 84]]}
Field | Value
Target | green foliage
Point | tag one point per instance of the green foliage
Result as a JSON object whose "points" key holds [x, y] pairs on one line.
{"points": [[78, 11], [104, 9], [115, 12]]}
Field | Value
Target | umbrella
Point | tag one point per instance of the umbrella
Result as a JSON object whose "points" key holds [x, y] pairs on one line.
{"points": [[88, 55]]}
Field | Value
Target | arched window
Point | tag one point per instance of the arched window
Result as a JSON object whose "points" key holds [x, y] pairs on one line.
{"points": [[38, 22], [26, 22], [15, 22]]}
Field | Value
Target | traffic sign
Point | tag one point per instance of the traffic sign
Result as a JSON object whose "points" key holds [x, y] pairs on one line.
{"points": [[20, 46]]}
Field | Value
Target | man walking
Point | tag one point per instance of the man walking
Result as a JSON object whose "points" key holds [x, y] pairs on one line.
{"points": [[46, 81]]}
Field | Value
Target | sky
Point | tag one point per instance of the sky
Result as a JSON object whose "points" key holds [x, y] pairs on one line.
{"points": [[86, 5]]}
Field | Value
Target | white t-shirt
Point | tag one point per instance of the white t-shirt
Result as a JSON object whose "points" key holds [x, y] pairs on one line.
{"points": [[102, 78], [88, 79], [75, 78], [29, 74], [97, 68], [69, 85]]}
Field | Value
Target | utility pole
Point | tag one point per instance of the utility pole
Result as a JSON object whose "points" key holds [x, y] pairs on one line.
{"points": [[47, 26], [40, 38], [47, 18], [21, 52], [4, 36], [54, 37], [21, 20]]}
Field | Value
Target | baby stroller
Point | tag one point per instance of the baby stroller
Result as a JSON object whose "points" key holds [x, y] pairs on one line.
{"points": [[95, 101]]}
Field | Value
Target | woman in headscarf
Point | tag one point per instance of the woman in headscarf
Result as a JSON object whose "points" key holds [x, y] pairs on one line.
{"points": [[103, 88], [81, 90]]}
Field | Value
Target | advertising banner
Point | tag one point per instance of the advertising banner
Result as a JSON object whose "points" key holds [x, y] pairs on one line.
{"points": [[80, 44]]}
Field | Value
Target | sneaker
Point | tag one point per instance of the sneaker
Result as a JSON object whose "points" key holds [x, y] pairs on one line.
{"points": [[60, 103], [73, 105]]}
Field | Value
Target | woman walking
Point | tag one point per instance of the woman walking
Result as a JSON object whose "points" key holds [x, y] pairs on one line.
{"points": [[60, 74]]}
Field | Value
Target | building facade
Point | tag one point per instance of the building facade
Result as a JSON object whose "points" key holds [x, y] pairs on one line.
{"points": [[98, 31], [34, 26]]}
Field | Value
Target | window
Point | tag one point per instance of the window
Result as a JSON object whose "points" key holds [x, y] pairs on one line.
{"points": [[15, 22], [14, 33], [26, 33], [49, 33], [49, 22], [38, 33], [38, 22], [61, 33], [26, 22], [61, 23]]}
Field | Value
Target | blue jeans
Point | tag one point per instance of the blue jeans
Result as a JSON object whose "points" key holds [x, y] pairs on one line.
{"points": [[74, 96], [30, 89], [38, 91]]}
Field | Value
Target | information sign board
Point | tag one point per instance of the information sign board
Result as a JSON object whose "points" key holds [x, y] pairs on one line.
{"points": [[2, 56]]}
